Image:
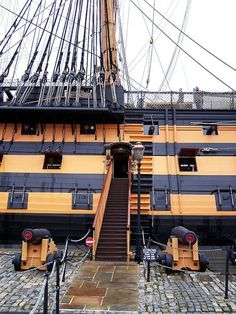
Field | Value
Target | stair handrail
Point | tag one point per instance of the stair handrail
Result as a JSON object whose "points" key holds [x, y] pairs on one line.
{"points": [[129, 201], [97, 223]]}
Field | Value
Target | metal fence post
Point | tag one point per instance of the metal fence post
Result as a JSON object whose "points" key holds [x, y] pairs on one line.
{"points": [[227, 273], [45, 302], [148, 270], [65, 259], [57, 286]]}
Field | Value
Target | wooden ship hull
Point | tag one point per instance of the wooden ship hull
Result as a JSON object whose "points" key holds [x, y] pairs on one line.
{"points": [[66, 150]]}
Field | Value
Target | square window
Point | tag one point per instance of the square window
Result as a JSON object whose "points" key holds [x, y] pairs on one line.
{"points": [[187, 163], [52, 160], [29, 129], [187, 159], [210, 130], [151, 129], [87, 128]]}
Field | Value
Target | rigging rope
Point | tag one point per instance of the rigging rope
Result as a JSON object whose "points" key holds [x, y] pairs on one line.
{"points": [[190, 56], [151, 47], [190, 38], [13, 27], [126, 70], [7, 69], [176, 52]]}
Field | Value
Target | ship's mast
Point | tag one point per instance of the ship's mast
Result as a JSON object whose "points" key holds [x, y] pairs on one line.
{"points": [[108, 40]]}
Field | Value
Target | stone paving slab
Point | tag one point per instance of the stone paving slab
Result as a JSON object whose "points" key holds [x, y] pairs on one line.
{"points": [[106, 286]]}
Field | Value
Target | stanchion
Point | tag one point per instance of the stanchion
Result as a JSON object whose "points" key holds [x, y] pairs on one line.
{"points": [[65, 260], [227, 272], [148, 270], [45, 303], [57, 286]]}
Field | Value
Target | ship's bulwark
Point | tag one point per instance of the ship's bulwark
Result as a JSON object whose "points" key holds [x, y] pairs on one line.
{"points": [[188, 173]]}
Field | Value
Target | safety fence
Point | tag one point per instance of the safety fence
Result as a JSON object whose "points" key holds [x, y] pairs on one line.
{"points": [[197, 99], [180, 100], [229, 251]]}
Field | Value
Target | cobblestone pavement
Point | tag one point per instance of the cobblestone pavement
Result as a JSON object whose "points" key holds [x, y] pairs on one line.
{"points": [[185, 293], [19, 290], [176, 293]]}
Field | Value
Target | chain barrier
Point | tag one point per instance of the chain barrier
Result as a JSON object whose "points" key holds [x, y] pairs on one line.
{"points": [[81, 239], [37, 304], [184, 249], [188, 272], [7, 254], [226, 273], [66, 258]]}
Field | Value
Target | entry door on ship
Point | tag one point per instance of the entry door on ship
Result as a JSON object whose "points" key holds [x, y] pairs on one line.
{"points": [[120, 166]]}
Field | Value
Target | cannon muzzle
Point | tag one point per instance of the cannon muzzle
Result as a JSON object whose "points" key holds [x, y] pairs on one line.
{"points": [[184, 235], [35, 236]]}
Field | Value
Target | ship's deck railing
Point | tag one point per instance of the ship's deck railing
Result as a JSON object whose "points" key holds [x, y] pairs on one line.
{"points": [[157, 100], [180, 100]]}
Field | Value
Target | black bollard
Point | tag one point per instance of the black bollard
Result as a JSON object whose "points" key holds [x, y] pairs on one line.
{"points": [[148, 270], [57, 286], [227, 272], [45, 302]]}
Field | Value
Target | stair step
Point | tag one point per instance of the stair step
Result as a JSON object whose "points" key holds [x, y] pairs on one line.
{"points": [[114, 247], [114, 225], [115, 219], [112, 258], [114, 235], [113, 228], [140, 138], [122, 239], [133, 128]]}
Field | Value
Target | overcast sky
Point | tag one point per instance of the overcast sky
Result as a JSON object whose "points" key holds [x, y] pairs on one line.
{"points": [[211, 22]]}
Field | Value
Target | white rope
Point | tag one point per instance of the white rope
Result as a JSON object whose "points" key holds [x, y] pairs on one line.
{"points": [[39, 297], [188, 271], [183, 249], [76, 241], [81, 261]]}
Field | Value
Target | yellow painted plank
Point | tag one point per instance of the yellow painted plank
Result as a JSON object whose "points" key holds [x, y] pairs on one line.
{"points": [[3, 200], [42, 202], [70, 164], [60, 202], [184, 134], [206, 165], [193, 204]]}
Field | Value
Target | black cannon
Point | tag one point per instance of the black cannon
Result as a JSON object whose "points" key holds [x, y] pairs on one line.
{"points": [[38, 250], [182, 252], [184, 235], [35, 236]]}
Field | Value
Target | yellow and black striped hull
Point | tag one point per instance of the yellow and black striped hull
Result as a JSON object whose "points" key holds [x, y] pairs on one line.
{"points": [[202, 199]]}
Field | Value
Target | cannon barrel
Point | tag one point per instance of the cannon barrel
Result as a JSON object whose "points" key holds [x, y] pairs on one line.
{"points": [[35, 236], [184, 235]]}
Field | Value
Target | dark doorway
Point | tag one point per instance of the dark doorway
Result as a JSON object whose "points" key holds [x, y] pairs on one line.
{"points": [[120, 166]]}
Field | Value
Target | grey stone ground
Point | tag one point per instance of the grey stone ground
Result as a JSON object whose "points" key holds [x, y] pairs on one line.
{"points": [[178, 293], [185, 293]]}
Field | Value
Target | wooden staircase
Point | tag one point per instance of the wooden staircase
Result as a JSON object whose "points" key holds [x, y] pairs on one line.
{"points": [[112, 244]]}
